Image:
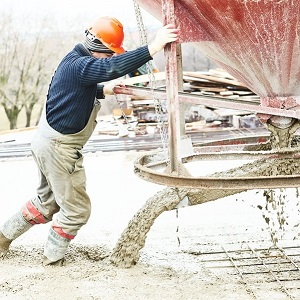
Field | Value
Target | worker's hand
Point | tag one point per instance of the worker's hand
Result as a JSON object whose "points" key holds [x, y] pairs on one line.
{"points": [[165, 35], [108, 88]]}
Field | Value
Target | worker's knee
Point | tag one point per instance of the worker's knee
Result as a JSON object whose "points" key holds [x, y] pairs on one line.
{"points": [[83, 217], [83, 212]]}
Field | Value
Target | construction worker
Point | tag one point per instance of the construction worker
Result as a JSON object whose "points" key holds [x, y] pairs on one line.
{"points": [[66, 124]]}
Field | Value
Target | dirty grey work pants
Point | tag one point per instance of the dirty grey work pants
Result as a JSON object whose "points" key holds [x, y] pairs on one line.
{"points": [[62, 179]]}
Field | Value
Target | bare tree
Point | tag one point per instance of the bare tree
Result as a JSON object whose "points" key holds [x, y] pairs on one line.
{"points": [[33, 75], [8, 54], [24, 68]]}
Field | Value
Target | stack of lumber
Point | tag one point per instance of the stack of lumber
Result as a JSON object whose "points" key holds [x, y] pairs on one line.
{"points": [[217, 83]]}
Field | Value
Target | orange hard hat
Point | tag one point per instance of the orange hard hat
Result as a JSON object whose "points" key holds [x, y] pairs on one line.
{"points": [[110, 32]]}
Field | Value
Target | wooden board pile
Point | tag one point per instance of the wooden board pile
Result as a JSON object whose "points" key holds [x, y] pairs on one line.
{"points": [[215, 83]]}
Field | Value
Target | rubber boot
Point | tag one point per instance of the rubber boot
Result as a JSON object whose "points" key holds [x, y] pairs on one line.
{"points": [[55, 249], [12, 229], [4, 245]]}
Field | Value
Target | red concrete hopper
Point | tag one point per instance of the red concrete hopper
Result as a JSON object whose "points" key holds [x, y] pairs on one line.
{"points": [[256, 41]]}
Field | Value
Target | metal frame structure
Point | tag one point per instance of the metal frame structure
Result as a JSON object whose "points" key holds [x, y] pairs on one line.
{"points": [[173, 172]]}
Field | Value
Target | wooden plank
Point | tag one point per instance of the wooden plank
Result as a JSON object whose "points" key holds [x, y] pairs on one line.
{"points": [[214, 89], [193, 78], [214, 78], [220, 73], [243, 93], [208, 93], [206, 86], [226, 93]]}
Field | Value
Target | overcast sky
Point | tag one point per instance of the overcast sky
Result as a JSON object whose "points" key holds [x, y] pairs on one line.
{"points": [[66, 11]]}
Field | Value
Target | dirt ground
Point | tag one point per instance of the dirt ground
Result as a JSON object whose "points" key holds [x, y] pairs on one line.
{"points": [[185, 255]]}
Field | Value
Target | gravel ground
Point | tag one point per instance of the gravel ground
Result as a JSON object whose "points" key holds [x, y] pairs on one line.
{"points": [[192, 253]]}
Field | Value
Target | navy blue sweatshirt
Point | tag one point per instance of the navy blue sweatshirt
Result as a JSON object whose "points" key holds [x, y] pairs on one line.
{"points": [[73, 88]]}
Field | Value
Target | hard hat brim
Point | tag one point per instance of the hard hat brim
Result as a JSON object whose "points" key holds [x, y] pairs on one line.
{"points": [[118, 50]]}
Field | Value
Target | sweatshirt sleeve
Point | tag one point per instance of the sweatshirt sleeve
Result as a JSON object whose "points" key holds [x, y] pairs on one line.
{"points": [[96, 70]]}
